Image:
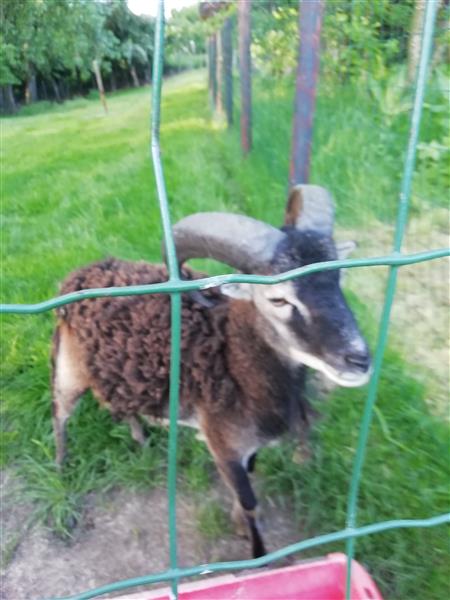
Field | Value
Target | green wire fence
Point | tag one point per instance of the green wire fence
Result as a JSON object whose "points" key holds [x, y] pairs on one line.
{"points": [[175, 287]]}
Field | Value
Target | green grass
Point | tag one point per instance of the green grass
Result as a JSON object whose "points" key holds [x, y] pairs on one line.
{"points": [[78, 186], [212, 521]]}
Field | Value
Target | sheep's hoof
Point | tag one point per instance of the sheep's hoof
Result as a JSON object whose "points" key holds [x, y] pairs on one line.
{"points": [[137, 431], [302, 454]]}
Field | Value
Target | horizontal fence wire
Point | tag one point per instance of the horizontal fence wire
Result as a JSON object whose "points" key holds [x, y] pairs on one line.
{"points": [[175, 287]]}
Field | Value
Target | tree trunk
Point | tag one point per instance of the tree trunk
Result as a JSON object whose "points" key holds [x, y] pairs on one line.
{"points": [[101, 89], [7, 101], [134, 76], [415, 39], [124, 81], [113, 82], [44, 90], [31, 87], [63, 91], [79, 83], [55, 90]]}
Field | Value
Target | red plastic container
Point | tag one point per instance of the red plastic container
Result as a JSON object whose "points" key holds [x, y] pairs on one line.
{"points": [[318, 579]]}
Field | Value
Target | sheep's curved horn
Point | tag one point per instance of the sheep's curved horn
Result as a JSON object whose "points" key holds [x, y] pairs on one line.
{"points": [[310, 207], [241, 242]]}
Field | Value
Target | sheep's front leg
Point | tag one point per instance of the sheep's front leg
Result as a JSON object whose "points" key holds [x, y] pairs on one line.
{"points": [[239, 517], [245, 505], [233, 466]]}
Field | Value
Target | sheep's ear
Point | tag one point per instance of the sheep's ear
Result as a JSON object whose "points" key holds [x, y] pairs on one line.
{"points": [[344, 249], [294, 207], [238, 291]]}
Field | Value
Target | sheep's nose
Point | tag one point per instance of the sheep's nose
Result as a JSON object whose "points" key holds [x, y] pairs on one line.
{"points": [[359, 360]]}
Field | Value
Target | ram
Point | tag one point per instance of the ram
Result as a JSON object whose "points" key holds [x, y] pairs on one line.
{"points": [[244, 347]]}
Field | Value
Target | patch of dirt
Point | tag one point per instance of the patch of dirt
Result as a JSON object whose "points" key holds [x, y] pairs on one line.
{"points": [[123, 534], [421, 311]]}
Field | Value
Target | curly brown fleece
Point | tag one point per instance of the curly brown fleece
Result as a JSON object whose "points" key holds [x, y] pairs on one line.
{"points": [[125, 341]]}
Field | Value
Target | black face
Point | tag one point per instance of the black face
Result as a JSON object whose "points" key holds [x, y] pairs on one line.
{"points": [[321, 329]]}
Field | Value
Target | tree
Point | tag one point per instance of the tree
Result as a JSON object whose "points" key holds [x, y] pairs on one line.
{"points": [[46, 40], [8, 60], [186, 38], [50, 47], [135, 40]]}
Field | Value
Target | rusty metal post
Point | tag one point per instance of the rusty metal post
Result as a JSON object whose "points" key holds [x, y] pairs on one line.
{"points": [[244, 25], [227, 66], [310, 25]]}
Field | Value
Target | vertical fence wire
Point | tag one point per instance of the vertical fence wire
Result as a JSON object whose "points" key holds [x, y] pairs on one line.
{"points": [[175, 298], [427, 39]]}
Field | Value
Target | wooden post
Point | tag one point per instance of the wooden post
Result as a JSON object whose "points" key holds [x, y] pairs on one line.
{"points": [[415, 39], [209, 65], [310, 24], [227, 65], [219, 73], [212, 68], [244, 26], [101, 89], [218, 56]]}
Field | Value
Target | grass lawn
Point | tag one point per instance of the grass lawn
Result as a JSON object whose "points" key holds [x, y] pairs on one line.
{"points": [[78, 186]]}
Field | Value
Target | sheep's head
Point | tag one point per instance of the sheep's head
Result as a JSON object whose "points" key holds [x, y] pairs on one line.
{"points": [[307, 320]]}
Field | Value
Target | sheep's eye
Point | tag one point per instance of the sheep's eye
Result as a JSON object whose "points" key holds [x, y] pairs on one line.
{"points": [[278, 301]]}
